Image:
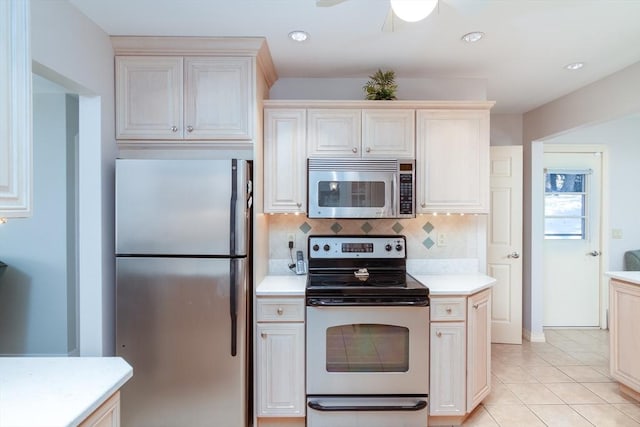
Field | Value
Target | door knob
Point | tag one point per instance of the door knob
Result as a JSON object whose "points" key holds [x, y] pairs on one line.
{"points": [[514, 255], [595, 253]]}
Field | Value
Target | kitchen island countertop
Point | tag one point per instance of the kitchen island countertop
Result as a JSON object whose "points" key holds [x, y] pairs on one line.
{"points": [[57, 391], [455, 284], [625, 276]]}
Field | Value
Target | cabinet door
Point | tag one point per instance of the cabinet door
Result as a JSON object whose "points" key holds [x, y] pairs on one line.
{"points": [[107, 415], [15, 110], [447, 369], [388, 133], [217, 98], [280, 365], [333, 132], [148, 97], [452, 161], [285, 177], [624, 305], [479, 348]]}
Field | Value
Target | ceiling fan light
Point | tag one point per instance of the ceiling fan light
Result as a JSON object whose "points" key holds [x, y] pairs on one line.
{"points": [[413, 10]]}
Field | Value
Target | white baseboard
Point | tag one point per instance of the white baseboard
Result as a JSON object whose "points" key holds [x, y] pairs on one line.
{"points": [[533, 336]]}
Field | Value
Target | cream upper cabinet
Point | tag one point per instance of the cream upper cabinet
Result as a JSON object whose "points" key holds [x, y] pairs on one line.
{"points": [[452, 161], [199, 98], [388, 133], [355, 132], [15, 110], [333, 132], [285, 174], [149, 97]]}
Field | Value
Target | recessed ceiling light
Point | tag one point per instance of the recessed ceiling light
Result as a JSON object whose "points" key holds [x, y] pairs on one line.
{"points": [[574, 66], [298, 35], [473, 36]]}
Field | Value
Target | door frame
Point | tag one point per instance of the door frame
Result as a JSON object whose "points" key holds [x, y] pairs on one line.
{"points": [[604, 216]]}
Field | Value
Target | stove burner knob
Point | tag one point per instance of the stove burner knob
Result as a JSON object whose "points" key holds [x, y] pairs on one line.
{"points": [[387, 247], [316, 247], [326, 247], [398, 247]]}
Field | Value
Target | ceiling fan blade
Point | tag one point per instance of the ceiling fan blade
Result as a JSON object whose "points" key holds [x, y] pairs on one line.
{"points": [[328, 3], [389, 25]]}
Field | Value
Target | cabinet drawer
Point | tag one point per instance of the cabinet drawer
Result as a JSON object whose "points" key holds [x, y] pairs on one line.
{"points": [[280, 310], [448, 309]]}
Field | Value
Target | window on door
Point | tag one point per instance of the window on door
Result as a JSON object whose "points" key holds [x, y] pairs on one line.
{"points": [[565, 205]]}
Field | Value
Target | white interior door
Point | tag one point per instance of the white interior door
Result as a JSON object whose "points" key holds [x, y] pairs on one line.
{"points": [[573, 182], [504, 245]]}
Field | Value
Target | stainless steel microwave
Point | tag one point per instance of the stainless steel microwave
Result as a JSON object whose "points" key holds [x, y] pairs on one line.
{"points": [[361, 188]]}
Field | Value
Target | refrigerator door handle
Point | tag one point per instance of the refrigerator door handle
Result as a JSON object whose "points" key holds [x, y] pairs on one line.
{"points": [[233, 306]]}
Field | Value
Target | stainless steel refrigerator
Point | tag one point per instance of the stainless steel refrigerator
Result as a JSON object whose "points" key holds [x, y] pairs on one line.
{"points": [[182, 278]]}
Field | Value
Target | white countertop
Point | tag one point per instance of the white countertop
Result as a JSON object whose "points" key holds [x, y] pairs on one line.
{"points": [[627, 276], [455, 284], [438, 284], [56, 391], [282, 285]]}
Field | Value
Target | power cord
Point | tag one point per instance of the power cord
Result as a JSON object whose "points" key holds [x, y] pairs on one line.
{"points": [[292, 266]]}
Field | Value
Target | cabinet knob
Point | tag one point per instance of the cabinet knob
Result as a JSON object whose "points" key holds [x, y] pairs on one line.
{"points": [[299, 204], [438, 334], [476, 306], [368, 150], [354, 149], [448, 310], [189, 129], [279, 311], [263, 335], [174, 128], [423, 205]]}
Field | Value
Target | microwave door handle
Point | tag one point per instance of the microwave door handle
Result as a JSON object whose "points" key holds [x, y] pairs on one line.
{"points": [[393, 195]]}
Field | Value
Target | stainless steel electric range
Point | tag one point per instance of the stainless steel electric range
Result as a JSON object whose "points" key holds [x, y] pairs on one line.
{"points": [[367, 334]]}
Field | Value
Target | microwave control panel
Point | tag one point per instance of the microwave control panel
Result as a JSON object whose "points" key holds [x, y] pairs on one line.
{"points": [[406, 176]]}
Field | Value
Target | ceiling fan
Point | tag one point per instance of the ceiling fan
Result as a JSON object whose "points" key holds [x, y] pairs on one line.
{"points": [[406, 10]]}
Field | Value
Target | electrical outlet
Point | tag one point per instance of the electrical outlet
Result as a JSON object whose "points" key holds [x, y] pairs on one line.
{"points": [[292, 240], [616, 233], [442, 239]]}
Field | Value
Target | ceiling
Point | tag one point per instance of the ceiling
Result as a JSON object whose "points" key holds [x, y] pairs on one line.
{"points": [[521, 57]]}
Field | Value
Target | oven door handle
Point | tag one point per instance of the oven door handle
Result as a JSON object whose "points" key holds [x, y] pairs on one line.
{"points": [[421, 404], [320, 303]]}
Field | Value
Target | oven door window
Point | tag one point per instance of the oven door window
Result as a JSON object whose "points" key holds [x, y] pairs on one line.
{"points": [[351, 194], [367, 348]]}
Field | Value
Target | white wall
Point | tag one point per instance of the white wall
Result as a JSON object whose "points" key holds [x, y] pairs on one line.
{"points": [[351, 89], [608, 99], [71, 50], [35, 315]]}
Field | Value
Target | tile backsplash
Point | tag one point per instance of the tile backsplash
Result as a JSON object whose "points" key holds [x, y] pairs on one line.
{"points": [[429, 237]]}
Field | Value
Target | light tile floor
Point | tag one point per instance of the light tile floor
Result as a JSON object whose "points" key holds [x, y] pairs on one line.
{"points": [[562, 382]]}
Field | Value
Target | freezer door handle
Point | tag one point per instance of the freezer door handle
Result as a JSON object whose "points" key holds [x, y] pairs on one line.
{"points": [[419, 405]]}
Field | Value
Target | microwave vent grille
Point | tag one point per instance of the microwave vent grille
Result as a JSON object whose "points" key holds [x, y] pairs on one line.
{"points": [[334, 164]]}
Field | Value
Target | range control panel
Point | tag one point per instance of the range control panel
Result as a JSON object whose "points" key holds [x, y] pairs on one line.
{"points": [[324, 247]]}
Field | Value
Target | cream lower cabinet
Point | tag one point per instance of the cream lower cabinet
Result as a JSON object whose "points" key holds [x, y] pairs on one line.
{"points": [[280, 358], [107, 415], [460, 371], [624, 326], [285, 173], [452, 161]]}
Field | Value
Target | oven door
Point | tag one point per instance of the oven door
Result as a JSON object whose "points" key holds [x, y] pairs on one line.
{"points": [[349, 194], [366, 350]]}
